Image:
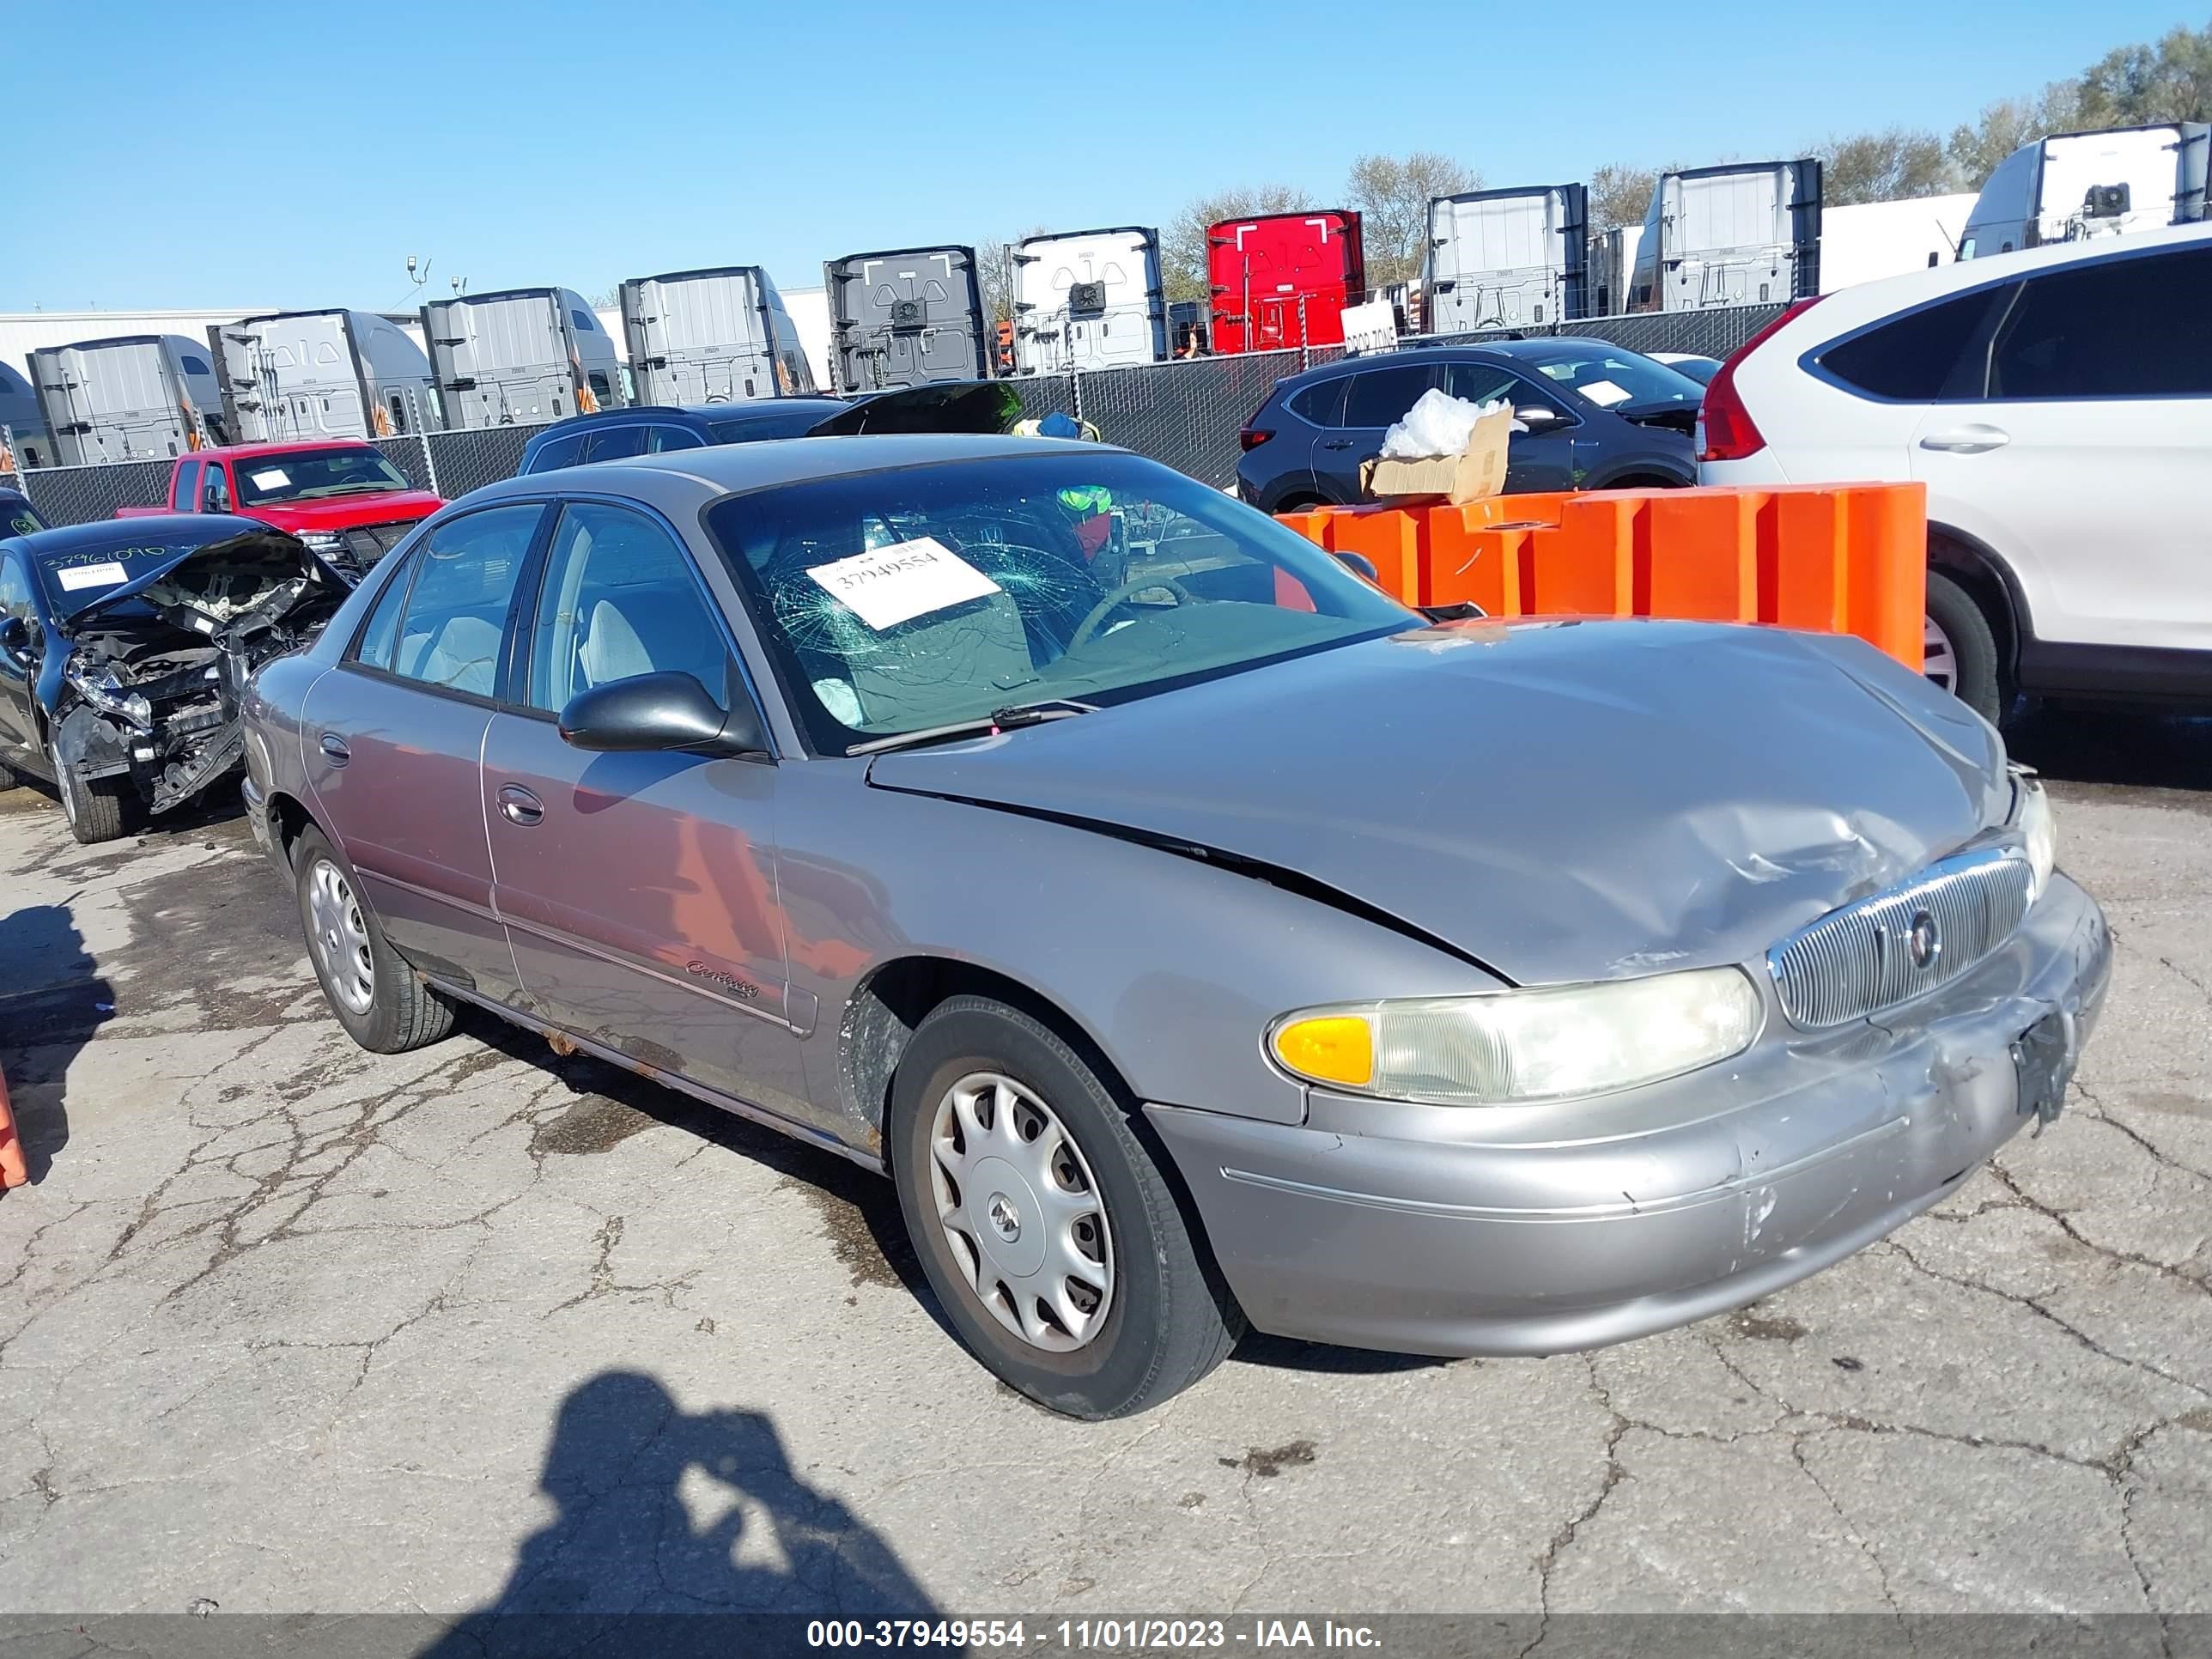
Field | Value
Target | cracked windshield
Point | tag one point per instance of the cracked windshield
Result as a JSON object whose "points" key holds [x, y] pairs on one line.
{"points": [[905, 600]]}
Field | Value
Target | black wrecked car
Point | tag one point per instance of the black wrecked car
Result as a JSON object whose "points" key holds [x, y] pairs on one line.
{"points": [[124, 647]]}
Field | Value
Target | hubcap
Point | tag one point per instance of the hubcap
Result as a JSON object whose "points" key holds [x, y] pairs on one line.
{"points": [[339, 937], [1022, 1217], [1939, 662]]}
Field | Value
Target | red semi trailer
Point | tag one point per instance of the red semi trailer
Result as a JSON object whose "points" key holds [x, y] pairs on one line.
{"points": [[1284, 279]]}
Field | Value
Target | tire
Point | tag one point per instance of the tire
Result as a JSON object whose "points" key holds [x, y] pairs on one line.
{"points": [[375, 995], [1157, 1319], [95, 810], [1962, 649], [8, 780]]}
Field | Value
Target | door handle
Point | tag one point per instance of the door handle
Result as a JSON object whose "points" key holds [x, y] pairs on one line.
{"points": [[1339, 443], [334, 749], [1967, 440], [518, 805]]}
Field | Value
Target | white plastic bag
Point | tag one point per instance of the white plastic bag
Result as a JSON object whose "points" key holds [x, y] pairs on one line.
{"points": [[1439, 425]]}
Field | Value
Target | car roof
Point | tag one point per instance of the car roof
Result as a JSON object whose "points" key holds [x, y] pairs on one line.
{"points": [[761, 406], [682, 477], [1864, 303], [1479, 351], [169, 529]]}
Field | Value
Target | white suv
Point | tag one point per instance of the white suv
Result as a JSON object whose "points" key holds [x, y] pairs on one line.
{"points": [[2058, 403]]}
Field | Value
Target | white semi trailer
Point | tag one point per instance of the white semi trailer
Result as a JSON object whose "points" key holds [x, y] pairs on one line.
{"points": [[718, 336], [1089, 298], [2075, 184], [321, 374], [1730, 236]]}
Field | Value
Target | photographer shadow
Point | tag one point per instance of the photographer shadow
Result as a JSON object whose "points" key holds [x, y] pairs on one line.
{"points": [[629, 1565]]}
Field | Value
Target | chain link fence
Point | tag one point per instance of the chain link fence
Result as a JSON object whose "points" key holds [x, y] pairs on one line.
{"points": [[1186, 412]]}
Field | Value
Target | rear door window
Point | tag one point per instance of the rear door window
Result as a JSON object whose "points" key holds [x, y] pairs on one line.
{"points": [[2106, 330], [1938, 354], [1323, 404], [1381, 397], [455, 626], [557, 453], [615, 443]]}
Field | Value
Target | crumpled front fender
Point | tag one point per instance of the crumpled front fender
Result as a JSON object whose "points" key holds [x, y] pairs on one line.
{"points": [[92, 745]]}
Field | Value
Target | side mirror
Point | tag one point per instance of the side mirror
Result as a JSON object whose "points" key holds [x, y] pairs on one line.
{"points": [[14, 636], [1537, 417], [1360, 565], [659, 712]]}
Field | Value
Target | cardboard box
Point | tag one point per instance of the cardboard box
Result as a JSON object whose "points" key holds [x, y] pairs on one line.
{"points": [[1477, 471]]}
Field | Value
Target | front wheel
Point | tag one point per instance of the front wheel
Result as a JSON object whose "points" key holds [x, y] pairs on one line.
{"points": [[94, 809], [1049, 1235], [375, 995], [1960, 650]]}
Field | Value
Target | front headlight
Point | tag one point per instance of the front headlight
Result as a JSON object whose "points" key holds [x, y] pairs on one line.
{"points": [[1514, 1046], [323, 541], [106, 694], [2031, 815]]}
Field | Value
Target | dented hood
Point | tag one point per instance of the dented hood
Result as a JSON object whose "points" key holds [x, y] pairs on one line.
{"points": [[1561, 801], [256, 550]]}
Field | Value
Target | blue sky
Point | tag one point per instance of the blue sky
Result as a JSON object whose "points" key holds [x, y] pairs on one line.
{"points": [[187, 156]]}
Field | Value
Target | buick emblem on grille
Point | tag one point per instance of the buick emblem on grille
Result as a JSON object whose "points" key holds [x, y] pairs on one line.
{"points": [[1925, 940]]}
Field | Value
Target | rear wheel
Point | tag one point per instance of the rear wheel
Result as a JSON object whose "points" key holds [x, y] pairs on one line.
{"points": [[1050, 1236], [96, 809], [1960, 649], [7, 780], [375, 995]]}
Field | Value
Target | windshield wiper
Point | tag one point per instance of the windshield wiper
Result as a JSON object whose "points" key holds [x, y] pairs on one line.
{"points": [[1002, 720]]}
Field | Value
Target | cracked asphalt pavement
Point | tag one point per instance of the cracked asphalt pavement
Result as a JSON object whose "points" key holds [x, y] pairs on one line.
{"points": [[288, 1327]]}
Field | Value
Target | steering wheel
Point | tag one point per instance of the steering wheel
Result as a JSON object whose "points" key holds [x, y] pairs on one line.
{"points": [[1107, 606]]}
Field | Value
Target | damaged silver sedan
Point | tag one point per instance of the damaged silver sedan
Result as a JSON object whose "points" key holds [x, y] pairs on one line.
{"points": [[1194, 934], [124, 650]]}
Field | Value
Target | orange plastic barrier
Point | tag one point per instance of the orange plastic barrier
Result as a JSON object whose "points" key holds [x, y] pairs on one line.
{"points": [[1834, 559], [14, 1172]]}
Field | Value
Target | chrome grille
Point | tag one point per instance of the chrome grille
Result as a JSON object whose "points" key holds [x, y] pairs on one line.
{"points": [[1873, 955]]}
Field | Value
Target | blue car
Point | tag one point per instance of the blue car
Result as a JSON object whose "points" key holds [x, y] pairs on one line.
{"points": [[980, 407], [617, 435], [1599, 416], [124, 649]]}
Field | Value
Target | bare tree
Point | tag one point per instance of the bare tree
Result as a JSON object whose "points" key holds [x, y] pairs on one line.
{"points": [[1889, 166], [1978, 146], [1620, 195], [1182, 242], [999, 271], [1392, 194]]}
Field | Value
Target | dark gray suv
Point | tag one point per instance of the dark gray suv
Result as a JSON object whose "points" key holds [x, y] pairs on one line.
{"points": [[1599, 416]]}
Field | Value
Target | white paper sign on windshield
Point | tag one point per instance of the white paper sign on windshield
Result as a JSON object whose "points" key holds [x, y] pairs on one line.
{"points": [[90, 575], [1604, 393], [270, 477], [898, 583]]}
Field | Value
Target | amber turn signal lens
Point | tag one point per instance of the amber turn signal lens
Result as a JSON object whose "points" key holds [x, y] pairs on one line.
{"points": [[1330, 1048]]}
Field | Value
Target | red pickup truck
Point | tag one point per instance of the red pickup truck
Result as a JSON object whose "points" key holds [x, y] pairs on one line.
{"points": [[343, 498]]}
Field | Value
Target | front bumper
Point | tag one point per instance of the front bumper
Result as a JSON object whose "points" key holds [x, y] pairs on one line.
{"points": [[1548, 1245]]}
